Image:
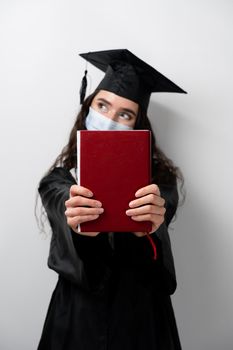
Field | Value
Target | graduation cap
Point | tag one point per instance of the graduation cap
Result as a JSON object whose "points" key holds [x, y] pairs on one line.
{"points": [[128, 76]]}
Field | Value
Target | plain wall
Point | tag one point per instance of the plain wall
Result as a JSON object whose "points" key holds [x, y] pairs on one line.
{"points": [[40, 73]]}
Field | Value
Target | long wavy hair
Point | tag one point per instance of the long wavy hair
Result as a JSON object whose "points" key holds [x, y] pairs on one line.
{"points": [[163, 172]]}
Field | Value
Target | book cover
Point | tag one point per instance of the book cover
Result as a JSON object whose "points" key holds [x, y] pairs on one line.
{"points": [[114, 165]]}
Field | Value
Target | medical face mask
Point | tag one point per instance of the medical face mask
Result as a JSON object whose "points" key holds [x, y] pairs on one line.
{"points": [[96, 121]]}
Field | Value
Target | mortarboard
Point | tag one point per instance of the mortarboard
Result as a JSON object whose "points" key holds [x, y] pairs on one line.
{"points": [[128, 76]]}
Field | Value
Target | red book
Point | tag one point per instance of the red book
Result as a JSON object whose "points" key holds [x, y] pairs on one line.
{"points": [[114, 165]]}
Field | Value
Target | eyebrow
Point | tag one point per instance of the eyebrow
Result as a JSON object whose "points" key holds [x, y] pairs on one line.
{"points": [[123, 109]]}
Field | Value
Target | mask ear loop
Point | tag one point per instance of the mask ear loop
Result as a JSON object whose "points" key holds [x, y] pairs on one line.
{"points": [[153, 245]]}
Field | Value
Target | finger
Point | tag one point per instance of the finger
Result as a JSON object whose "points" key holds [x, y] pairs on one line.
{"points": [[82, 211], [147, 190], [155, 219], [80, 190], [75, 221], [90, 234], [79, 201], [139, 234], [148, 199], [146, 209]]}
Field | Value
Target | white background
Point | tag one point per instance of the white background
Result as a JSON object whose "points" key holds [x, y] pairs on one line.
{"points": [[40, 74]]}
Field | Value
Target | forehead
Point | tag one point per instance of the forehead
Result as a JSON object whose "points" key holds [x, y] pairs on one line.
{"points": [[117, 100]]}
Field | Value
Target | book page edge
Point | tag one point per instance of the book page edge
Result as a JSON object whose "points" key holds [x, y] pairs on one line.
{"points": [[78, 164]]}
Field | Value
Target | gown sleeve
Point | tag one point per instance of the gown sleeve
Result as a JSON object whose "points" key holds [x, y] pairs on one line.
{"points": [[159, 274], [80, 259], [161, 236]]}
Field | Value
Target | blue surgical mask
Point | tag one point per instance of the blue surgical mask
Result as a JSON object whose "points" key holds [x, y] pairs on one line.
{"points": [[97, 121]]}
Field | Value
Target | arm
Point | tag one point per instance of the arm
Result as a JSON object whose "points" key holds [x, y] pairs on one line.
{"points": [[80, 259], [153, 209]]}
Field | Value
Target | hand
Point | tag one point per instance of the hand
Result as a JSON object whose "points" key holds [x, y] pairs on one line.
{"points": [[149, 206], [81, 208]]}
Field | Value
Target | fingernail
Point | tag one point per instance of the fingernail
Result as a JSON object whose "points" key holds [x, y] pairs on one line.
{"points": [[99, 204], [90, 194]]}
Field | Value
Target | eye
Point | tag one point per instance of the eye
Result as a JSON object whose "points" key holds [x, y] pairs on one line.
{"points": [[125, 116], [102, 107]]}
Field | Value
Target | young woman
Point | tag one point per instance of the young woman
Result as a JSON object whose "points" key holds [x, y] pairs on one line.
{"points": [[112, 296]]}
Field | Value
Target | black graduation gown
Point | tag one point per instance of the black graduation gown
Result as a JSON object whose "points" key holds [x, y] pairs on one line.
{"points": [[111, 294]]}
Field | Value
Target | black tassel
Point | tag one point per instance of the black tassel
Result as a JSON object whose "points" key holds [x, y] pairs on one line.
{"points": [[83, 88]]}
